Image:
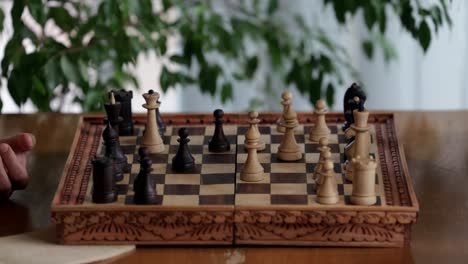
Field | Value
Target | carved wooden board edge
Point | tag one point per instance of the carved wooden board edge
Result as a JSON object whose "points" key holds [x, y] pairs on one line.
{"points": [[68, 164], [144, 227], [323, 228]]}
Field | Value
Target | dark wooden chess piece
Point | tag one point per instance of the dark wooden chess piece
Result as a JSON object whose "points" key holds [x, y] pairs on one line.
{"points": [[219, 142], [113, 151], [160, 122], [350, 103], [183, 161], [125, 99], [104, 190], [143, 185]]}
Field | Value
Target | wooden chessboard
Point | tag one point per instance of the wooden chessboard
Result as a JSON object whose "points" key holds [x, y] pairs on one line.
{"points": [[213, 206]]}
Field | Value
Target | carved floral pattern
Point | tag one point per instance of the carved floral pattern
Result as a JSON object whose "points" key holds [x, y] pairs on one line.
{"points": [[315, 226], [145, 226]]}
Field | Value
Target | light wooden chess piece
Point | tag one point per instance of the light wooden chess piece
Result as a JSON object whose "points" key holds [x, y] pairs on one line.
{"points": [[252, 170], [360, 130], [279, 125], [364, 181], [323, 146], [151, 138], [289, 150], [319, 170], [320, 129], [328, 191], [254, 121]]}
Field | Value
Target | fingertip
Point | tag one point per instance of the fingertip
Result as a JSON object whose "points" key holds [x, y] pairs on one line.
{"points": [[30, 140], [4, 148]]}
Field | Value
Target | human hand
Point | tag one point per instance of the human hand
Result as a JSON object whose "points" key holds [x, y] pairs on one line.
{"points": [[13, 171]]}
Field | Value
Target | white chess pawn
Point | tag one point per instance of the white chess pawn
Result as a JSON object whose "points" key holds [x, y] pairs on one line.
{"points": [[320, 129], [252, 170], [323, 148], [319, 170], [289, 150], [364, 181], [328, 191], [151, 138], [254, 121]]}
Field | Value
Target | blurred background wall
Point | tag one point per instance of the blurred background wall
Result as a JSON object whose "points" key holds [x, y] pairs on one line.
{"points": [[414, 81]]}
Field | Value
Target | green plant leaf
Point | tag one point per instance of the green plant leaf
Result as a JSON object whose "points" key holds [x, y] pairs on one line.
{"points": [[19, 86], [272, 6], [226, 92], [368, 48], [251, 67], [69, 70], [424, 35], [330, 94], [2, 18], [62, 18]]}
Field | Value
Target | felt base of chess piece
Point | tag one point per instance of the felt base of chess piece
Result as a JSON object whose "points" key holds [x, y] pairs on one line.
{"points": [[183, 161], [219, 142], [104, 189], [143, 185]]}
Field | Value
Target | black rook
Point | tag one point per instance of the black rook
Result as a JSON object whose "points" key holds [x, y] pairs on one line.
{"points": [[125, 99]]}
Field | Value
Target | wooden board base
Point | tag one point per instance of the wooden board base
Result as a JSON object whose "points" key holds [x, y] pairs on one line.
{"points": [[207, 208]]}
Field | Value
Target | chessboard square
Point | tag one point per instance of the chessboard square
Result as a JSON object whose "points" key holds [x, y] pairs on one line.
{"points": [[266, 179], [311, 157], [218, 158], [125, 179], [312, 148], [289, 188], [159, 168], [169, 131], [232, 150], [288, 178], [219, 199], [310, 167], [166, 139], [340, 189], [215, 189], [252, 199], [311, 188], [218, 178], [180, 200], [337, 167], [183, 179], [333, 129], [128, 149], [157, 157], [127, 141], [160, 189], [158, 178], [181, 189], [121, 189], [136, 168], [262, 157], [196, 157], [288, 167], [288, 199], [196, 170], [253, 188], [342, 139], [339, 178], [229, 130], [218, 168], [333, 139]]}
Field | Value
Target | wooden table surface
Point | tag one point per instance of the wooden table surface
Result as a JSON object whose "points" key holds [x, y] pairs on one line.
{"points": [[436, 147]]}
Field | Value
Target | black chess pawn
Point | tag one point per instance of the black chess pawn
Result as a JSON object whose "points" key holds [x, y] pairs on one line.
{"points": [[160, 122], [350, 103], [104, 189], [143, 185], [125, 99], [183, 161], [219, 142], [113, 150]]}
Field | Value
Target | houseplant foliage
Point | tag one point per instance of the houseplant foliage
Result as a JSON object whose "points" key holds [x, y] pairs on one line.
{"points": [[95, 43]]}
